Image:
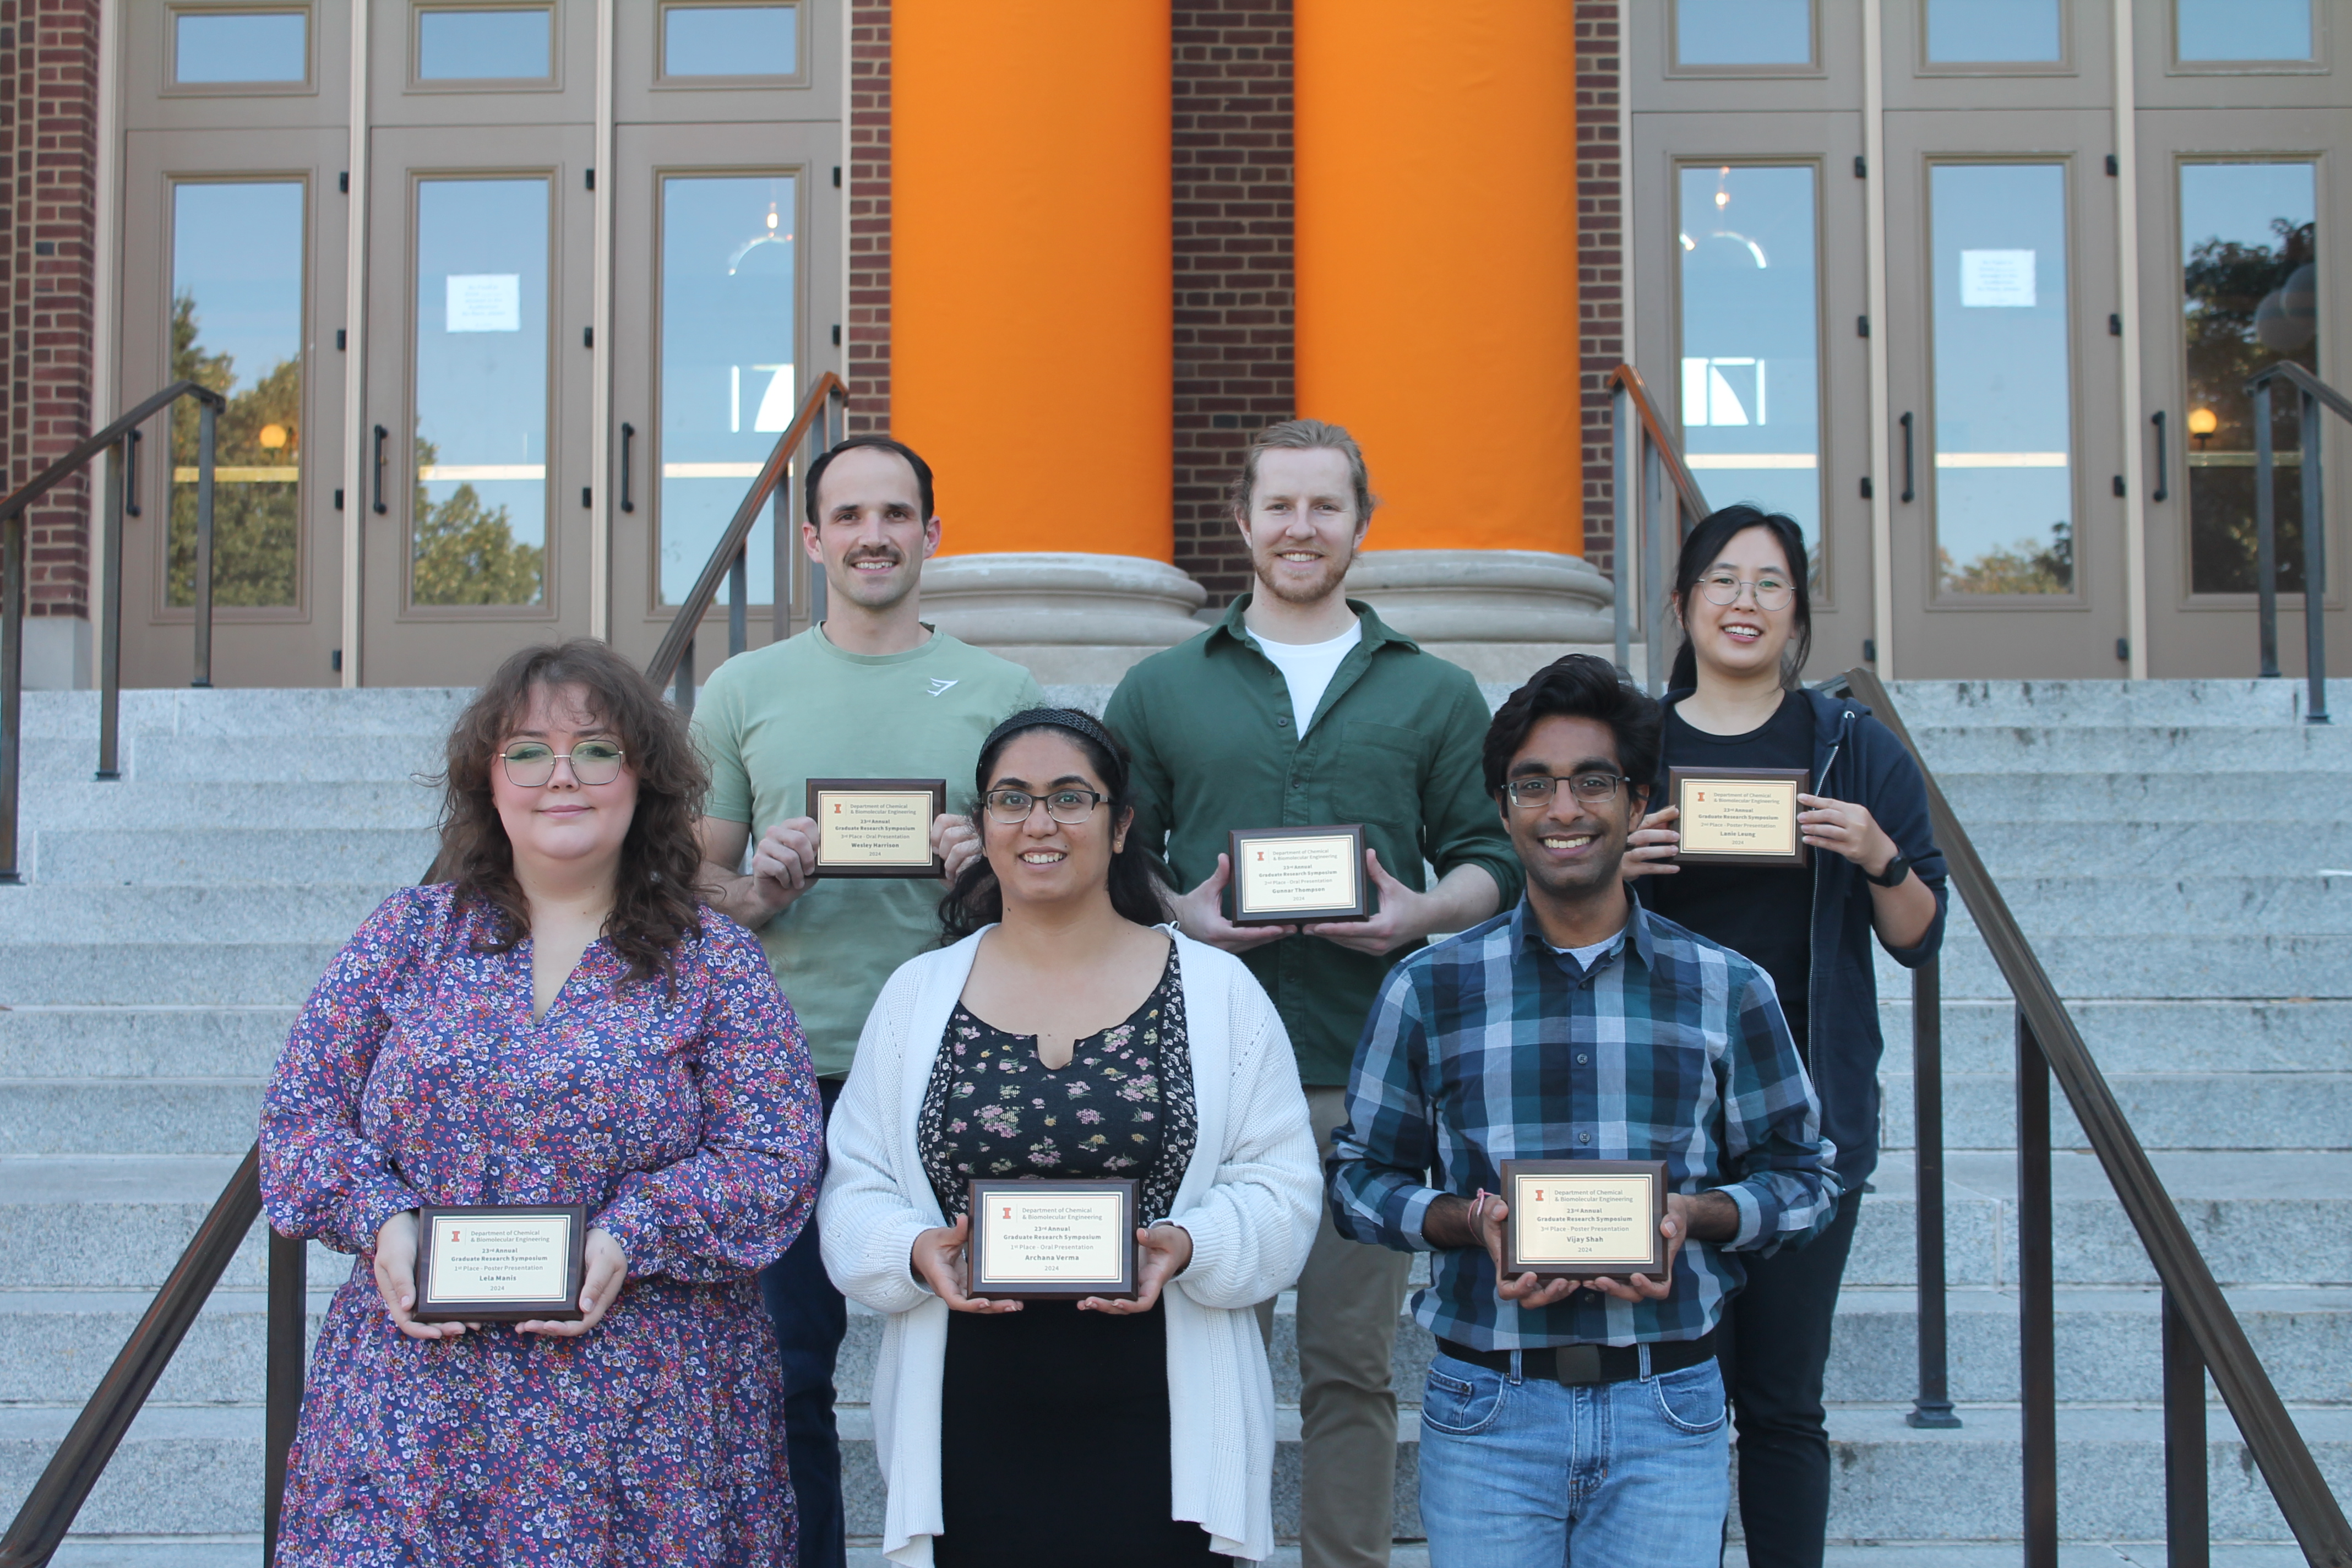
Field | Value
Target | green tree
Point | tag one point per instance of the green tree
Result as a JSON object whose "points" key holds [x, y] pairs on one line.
{"points": [[2024, 567], [2223, 283], [257, 522], [466, 552]]}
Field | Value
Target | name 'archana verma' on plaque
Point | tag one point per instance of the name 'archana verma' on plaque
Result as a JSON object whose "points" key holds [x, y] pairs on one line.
{"points": [[1740, 817], [876, 827], [498, 1263], [1585, 1219], [1283, 875], [1053, 1240]]}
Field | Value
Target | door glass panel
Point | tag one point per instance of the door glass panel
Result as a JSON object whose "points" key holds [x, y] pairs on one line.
{"points": [[2250, 286], [1751, 339], [730, 40], [503, 45], [1743, 31], [2244, 29], [2004, 474], [236, 327], [1987, 32], [727, 386], [479, 534], [240, 46]]}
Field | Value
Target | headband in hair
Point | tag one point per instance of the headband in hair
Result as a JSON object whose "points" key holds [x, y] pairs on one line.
{"points": [[1075, 719]]}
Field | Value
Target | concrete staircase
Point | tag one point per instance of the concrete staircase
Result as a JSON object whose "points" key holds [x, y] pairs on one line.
{"points": [[2164, 844]]}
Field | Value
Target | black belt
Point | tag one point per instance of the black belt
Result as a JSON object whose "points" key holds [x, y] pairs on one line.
{"points": [[1579, 1365]]}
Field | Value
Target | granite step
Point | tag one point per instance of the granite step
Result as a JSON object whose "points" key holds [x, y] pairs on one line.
{"points": [[2297, 1036], [133, 805], [2229, 702], [120, 1222], [2255, 801], [234, 857], [2270, 1110], [2197, 749], [2274, 966], [126, 1045], [183, 974]]}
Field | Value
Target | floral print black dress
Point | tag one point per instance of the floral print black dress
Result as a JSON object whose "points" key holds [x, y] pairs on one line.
{"points": [[1054, 1422]]}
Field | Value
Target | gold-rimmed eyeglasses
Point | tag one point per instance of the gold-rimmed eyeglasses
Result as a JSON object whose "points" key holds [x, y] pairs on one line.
{"points": [[1773, 592], [531, 763]]}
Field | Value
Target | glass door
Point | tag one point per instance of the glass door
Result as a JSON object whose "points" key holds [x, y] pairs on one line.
{"points": [[474, 466]]}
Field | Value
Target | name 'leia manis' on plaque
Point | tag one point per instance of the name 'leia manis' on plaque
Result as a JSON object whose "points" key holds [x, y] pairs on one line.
{"points": [[1585, 1219], [876, 827], [1285, 875], [500, 1263], [1740, 817], [1053, 1241]]}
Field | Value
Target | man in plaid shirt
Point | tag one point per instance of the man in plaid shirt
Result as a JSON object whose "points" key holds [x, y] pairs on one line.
{"points": [[1568, 1420]]}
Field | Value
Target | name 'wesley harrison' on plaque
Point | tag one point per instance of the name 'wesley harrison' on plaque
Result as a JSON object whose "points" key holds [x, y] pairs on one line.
{"points": [[498, 1263], [876, 827], [1285, 875], [1053, 1241], [1740, 817], [1585, 1219]]}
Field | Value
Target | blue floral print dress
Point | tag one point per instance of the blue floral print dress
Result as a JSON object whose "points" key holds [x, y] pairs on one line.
{"points": [[683, 1115]]}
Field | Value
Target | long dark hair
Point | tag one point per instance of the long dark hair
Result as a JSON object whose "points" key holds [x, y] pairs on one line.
{"points": [[976, 901], [653, 904], [1700, 549]]}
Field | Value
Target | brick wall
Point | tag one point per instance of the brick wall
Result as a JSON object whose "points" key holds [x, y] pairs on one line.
{"points": [[868, 348], [49, 84], [1234, 276], [1601, 256]]}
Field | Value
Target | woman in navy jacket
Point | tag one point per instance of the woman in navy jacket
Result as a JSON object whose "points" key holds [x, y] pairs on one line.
{"points": [[1733, 701]]}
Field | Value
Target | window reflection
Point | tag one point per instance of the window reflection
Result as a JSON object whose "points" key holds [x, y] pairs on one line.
{"points": [[727, 383], [2250, 287], [1743, 31], [1993, 32], [1750, 341], [2002, 440], [501, 44], [2244, 29], [730, 40], [239, 47], [479, 533], [236, 327]]}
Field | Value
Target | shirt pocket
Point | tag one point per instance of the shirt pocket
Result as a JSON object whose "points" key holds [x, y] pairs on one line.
{"points": [[1376, 777]]}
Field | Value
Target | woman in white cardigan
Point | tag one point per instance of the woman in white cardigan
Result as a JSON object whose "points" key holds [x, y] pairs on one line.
{"points": [[1064, 1036]]}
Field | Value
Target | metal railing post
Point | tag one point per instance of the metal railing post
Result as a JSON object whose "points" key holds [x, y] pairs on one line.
{"points": [[787, 545], [290, 1333], [2266, 534], [739, 588], [1933, 1407], [110, 644], [14, 538], [2187, 1532], [2037, 1348], [207, 430], [682, 694], [2314, 568], [1624, 509], [1653, 602]]}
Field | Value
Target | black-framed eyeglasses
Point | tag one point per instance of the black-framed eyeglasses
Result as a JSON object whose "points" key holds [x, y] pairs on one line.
{"points": [[1773, 592], [1067, 806], [531, 763], [1589, 789]]}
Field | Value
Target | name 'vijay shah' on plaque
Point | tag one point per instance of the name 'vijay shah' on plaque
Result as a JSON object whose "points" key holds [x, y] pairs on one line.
{"points": [[1285, 875], [876, 827], [1053, 1241], [1585, 1219], [1740, 817], [500, 1263]]}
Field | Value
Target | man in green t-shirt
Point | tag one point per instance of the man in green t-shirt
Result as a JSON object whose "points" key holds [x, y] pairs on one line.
{"points": [[872, 692]]}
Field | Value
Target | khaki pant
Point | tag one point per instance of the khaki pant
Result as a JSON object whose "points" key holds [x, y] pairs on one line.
{"points": [[1349, 1298]]}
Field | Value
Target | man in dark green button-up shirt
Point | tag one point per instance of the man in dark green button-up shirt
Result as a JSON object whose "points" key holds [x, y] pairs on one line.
{"points": [[1301, 708]]}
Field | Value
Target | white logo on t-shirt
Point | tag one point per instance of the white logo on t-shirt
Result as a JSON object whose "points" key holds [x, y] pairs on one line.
{"points": [[939, 685]]}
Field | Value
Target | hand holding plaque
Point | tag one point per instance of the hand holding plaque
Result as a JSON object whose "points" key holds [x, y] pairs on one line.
{"points": [[876, 827], [1585, 1219], [1738, 816], [500, 1263], [1053, 1241], [1282, 876]]}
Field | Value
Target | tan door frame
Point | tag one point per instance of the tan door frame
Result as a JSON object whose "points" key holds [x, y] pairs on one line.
{"points": [[2128, 249], [355, 339]]}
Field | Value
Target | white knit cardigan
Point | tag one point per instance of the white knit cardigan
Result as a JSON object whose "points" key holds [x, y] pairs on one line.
{"points": [[1249, 1199]]}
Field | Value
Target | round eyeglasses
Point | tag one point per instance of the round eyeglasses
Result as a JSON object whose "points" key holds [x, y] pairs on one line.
{"points": [[1067, 806], [531, 763], [1589, 789], [1772, 593]]}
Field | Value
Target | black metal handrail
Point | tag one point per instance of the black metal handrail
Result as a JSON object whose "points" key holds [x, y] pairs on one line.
{"points": [[1641, 435], [2200, 1332], [2315, 394], [824, 415], [14, 546]]}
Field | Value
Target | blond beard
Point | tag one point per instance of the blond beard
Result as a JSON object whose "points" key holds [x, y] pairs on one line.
{"points": [[1336, 581]]}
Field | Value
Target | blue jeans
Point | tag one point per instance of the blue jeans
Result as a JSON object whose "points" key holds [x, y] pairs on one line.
{"points": [[810, 1319], [1527, 1474]]}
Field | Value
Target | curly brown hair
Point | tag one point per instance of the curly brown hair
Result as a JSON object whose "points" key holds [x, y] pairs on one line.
{"points": [[655, 908]]}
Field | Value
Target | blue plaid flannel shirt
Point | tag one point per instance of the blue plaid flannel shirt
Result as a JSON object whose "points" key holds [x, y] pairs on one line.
{"points": [[1493, 1046]]}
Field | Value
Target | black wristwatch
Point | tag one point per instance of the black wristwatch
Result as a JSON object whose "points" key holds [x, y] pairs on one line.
{"points": [[1896, 869]]}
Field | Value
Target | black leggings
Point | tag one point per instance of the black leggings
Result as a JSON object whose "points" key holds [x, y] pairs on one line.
{"points": [[1776, 1344]]}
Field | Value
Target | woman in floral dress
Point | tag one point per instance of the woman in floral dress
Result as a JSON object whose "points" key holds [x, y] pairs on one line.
{"points": [[558, 1022]]}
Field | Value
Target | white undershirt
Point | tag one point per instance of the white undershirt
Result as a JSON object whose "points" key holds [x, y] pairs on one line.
{"points": [[1586, 957], [1308, 668]]}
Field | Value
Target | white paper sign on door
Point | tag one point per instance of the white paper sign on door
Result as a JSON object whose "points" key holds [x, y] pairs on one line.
{"points": [[485, 302], [1996, 278]]}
